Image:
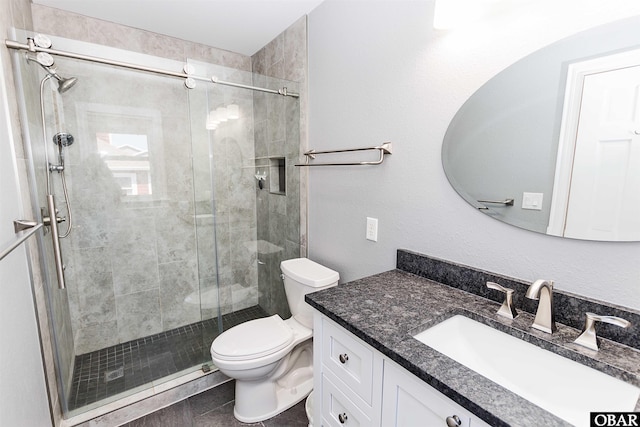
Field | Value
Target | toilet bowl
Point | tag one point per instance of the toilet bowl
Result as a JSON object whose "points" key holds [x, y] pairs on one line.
{"points": [[271, 359]]}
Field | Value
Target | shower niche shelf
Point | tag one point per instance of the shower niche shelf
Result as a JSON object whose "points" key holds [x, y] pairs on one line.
{"points": [[271, 174], [278, 174]]}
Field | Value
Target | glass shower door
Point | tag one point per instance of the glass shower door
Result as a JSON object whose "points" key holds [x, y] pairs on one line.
{"points": [[180, 219], [124, 321], [131, 257], [246, 144]]}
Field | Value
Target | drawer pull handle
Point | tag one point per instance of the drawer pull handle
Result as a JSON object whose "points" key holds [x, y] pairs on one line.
{"points": [[343, 358], [453, 421], [342, 418]]}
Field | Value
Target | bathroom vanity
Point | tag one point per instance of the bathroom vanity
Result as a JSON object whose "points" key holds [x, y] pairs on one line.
{"points": [[369, 370], [359, 386]]}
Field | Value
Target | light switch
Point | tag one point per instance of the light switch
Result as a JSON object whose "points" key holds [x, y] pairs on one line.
{"points": [[532, 201], [372, 229]]}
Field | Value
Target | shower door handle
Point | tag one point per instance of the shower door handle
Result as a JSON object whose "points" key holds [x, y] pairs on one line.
{"points": [[57, 253]]}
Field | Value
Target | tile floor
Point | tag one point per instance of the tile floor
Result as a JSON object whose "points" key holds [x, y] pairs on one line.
{"points": [[214, 408], [113, 370]]}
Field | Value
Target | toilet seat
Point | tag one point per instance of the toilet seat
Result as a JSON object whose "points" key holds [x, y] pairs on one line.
{"points": [[253, 339]]}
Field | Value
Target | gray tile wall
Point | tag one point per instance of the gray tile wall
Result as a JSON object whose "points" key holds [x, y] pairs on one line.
{"points": [[281, 132], [229, 152], [78, 27], [134, 266], [131, 260]]}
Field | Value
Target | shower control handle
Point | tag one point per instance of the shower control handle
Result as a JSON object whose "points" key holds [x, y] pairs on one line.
{"points": [[56, 168], [343, 358], [46, 220]]}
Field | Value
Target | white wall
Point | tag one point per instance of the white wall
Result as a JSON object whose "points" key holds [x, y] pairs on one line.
{"points": [[377, 72]]}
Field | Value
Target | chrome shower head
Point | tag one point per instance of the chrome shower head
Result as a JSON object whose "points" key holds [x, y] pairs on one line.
{"points": [[63, 139], [64, 84], [45, 60]]}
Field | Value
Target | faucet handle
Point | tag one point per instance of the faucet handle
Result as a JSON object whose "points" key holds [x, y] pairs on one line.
{"points": [[506, 309], [588, 337]]}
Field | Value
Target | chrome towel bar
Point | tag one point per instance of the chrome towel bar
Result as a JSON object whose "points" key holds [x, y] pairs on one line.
{"points": [[506, 202], [20, 240], [385, 148]]}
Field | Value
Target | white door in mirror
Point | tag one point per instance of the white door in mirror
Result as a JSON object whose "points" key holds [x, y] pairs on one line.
{"points": [[606, 166]]}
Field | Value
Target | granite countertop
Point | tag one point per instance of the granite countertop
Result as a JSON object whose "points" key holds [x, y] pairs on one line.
{"points": [[385, 309]]}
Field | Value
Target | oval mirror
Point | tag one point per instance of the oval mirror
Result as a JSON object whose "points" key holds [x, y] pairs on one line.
{"points": [[552, 143]]}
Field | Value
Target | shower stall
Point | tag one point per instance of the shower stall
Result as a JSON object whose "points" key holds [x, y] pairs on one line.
{"points": [[180, 196]]}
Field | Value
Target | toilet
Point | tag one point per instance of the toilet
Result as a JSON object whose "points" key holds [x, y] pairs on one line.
{"points": [[271, 359]]}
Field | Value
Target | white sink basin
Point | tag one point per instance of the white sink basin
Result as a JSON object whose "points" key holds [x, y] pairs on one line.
{"points": [[561, 386]]}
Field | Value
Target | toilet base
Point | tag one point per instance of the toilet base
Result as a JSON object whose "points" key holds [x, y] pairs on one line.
{"points": [[285, 400], [260, 400]]}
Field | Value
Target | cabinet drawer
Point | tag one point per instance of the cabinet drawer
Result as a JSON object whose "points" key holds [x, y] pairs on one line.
{"points": [[408, 401], [338, 410], [348, 358]]}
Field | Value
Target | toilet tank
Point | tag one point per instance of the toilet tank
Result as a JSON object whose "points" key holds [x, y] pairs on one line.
{"points": [[302, 276]]}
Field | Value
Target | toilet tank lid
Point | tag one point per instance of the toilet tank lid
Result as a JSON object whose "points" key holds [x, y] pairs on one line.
{"points": [[308, 272]]}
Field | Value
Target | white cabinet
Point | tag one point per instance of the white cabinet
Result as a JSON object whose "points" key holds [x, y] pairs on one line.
{"points": [[338, 409], [350, 359], [355, 385], [408, 401], [347, 375]]}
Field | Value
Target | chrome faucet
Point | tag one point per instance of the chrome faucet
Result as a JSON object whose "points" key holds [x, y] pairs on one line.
{"points": [[588, 337], [542, 290]]}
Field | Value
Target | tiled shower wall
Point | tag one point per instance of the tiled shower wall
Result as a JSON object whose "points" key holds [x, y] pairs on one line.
{"points": [[131, 259], [131, 265], [232, 150], [278, 136], [169, 265]]}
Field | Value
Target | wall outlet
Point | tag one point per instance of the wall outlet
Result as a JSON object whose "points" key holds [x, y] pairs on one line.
{"points": [[532, 201], [372, 229]]}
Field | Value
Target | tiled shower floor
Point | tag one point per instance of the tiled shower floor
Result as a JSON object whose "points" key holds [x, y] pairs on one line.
{"points": [[113, 370]]}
